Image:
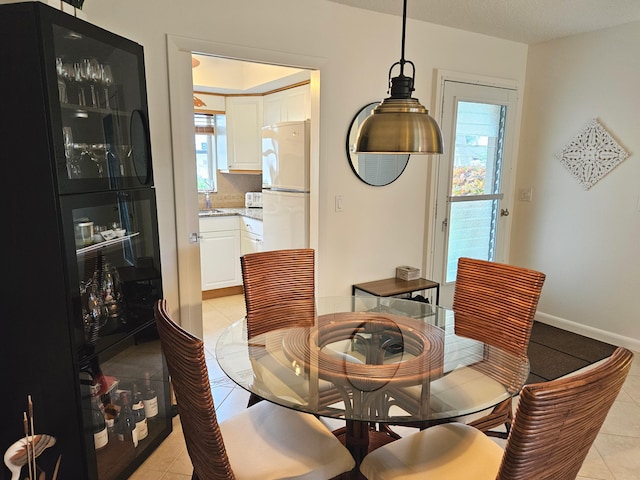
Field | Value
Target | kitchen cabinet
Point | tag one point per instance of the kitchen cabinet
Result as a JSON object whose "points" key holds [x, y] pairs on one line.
{"points": [[78, 300], [250, 235], [244, 141], [293, 104], [220, 252]]}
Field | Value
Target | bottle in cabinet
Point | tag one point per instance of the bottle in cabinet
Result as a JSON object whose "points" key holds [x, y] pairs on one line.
{"points": [[149, 398], [138, 412], [99, 424], [126, 425]]}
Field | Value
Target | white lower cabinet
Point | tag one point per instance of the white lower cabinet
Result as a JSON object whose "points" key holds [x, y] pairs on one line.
{"points": [[220, 252], [250, 235], [250, 243]]}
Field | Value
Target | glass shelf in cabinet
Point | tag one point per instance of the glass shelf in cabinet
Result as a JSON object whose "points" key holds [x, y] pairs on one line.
{"points": [[105, 243], [82, 111]]}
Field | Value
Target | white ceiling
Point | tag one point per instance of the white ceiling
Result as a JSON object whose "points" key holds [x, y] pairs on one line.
{"points": [[524, 21], [227, 76]]}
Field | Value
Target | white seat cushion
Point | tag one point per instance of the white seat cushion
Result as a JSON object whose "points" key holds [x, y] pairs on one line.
{"points": [[463, 390], [267, 441], [275, 373], [452, 451]]}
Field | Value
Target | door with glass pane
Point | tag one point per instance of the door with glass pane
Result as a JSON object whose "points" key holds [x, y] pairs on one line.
{"points": [[478, 124]]}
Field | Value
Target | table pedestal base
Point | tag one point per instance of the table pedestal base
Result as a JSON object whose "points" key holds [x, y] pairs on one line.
{"points": [[360, 439]]}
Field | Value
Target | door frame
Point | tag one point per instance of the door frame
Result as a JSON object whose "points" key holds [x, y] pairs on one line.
{"points": [[429, 265], [179, 51]]}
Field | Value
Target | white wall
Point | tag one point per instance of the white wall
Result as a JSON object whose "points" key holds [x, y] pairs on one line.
{"points": [[380, 228], [587, 242]]}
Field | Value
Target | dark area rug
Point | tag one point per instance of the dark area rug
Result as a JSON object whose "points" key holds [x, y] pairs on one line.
{"points": [[554, 352]]}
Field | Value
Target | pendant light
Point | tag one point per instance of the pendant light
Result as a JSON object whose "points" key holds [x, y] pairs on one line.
{"points": [[400, 124]]}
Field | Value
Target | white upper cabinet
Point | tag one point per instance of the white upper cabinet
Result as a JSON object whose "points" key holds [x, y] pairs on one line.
{"points": [[288, 105], [244, 144]]}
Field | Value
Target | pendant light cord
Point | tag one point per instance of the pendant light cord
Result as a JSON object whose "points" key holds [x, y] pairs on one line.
{"points": [[404, 27], [402, 86]]}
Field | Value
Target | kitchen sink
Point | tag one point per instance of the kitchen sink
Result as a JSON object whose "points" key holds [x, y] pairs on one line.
{"points": [[209, 213]]}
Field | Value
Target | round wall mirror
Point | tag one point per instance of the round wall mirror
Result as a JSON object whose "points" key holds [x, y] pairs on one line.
{"points": [[373, 169]]}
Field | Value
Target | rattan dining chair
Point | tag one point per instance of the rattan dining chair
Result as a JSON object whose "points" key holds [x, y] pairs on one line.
{"points": [[554, 427], [265, 441], [279, 291], [494, 303]]}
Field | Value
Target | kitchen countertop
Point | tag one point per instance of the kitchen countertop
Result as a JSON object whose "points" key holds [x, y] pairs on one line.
{"points": [[255, 213]]}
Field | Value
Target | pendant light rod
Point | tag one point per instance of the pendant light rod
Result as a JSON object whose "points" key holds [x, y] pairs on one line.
{"points": [[402, 85], [404, 29]]}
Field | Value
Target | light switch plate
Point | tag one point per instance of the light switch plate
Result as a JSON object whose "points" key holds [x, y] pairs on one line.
{"points": [[525, 194]]}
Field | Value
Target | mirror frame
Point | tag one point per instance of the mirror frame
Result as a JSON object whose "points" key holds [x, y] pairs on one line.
{"points": [[353, 157]]}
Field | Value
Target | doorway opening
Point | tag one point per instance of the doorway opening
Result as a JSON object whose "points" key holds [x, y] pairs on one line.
{"points": [[181, 86]]}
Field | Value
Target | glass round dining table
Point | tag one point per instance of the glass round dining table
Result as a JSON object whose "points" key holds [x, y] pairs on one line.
{"points": [[371, 361]]}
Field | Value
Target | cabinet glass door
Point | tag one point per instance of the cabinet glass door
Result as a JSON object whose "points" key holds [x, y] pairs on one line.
{"points": [[114, 265], [96, 83], [126, 412]]}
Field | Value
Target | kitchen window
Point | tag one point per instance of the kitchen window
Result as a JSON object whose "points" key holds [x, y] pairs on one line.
{"points": [[211, 147]]}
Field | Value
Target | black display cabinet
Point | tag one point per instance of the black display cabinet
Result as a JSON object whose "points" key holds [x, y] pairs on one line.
{"points": [[80, 254]]}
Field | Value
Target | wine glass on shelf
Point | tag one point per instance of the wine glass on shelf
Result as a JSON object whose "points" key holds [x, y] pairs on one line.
{"points": [[73, 167], [92, 159], [107, 81], [79, 76], [93, 73], [67, 74], [62, 85]]}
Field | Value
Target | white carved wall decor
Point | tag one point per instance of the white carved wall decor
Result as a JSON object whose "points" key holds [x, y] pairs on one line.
{"points": [[592, 154]]}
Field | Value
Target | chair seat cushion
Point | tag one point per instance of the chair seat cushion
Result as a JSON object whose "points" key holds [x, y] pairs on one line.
{"points": [[274, 373], [267, 441], [452, 451], [464, 390]]}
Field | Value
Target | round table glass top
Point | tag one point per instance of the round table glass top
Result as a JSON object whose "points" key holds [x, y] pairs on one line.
{"points": [[383, 360]]}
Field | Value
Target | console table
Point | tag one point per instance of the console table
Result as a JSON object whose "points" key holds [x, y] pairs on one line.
{"points": [[390, 287]]}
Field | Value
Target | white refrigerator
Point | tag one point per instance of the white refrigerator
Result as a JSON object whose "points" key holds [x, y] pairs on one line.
{"points": [[285, 185]]}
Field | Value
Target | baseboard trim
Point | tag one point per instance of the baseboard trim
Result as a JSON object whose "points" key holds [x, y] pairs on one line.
{"points": [[222, 292], [591, 332]]}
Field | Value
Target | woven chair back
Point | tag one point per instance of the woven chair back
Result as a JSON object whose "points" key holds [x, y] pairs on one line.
{"points": [[495, 303], [185, 358], [556, 422], [279, 289]]}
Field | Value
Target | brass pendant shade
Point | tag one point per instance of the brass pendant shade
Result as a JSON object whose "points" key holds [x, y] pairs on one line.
{"points": [[400, 124]]}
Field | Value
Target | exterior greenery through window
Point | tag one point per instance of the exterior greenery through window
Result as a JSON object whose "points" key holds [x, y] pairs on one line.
{"points": [[211, 146], [476, 174]]}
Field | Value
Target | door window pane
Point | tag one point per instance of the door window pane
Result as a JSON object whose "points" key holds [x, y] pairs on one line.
{"points": [[474, 234], [478, 149], [477, 170]]}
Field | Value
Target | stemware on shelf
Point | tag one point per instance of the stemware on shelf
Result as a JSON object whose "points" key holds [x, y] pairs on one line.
{"points": [[62, 85], [79, 76], [107, 81], [93, 72]]}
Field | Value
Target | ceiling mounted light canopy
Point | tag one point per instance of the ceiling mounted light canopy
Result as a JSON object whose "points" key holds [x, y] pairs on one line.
{"points": [[400, 124]]}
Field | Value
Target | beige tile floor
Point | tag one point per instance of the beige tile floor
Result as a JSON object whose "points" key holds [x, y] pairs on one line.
{"points": [[615, 454]]}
